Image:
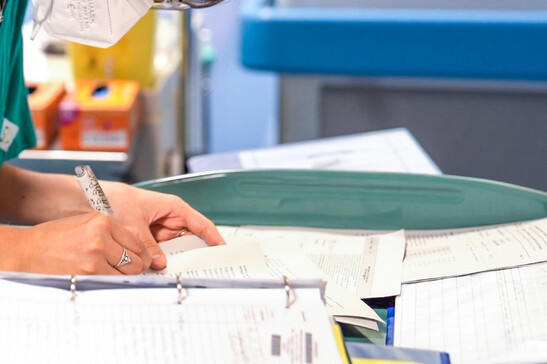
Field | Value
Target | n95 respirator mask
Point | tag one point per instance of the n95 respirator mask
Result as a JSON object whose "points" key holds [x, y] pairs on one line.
{"points": [[98, 23]]}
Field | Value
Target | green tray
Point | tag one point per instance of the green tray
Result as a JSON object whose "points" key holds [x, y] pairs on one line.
{"points": [[352, 200]]}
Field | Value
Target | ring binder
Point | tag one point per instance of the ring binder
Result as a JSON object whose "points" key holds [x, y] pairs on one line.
{"points": [[179, 289], [137, 318], [73, 287], [288, 290]]}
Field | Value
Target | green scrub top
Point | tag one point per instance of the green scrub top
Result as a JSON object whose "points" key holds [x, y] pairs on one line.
{"points": [[17, 130]]}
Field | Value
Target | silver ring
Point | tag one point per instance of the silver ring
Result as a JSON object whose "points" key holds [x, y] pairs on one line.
{"points": [[183, 232], [125, 258]]}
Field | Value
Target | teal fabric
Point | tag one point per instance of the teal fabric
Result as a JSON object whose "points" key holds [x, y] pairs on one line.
{"points": [[13, 92]]}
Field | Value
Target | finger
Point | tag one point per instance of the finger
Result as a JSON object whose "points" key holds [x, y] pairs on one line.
{"points": [[126, 262], [138, 252], [203, 227], [159, 261], [108, 269]]}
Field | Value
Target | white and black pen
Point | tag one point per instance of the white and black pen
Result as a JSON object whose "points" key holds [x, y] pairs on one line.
{"points": [[92, 190]]}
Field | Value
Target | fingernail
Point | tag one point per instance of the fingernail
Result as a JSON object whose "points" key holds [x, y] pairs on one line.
{"points": [[158, 260]]}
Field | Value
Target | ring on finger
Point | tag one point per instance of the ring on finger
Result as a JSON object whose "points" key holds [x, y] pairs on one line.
{"points": [[124, 259]]}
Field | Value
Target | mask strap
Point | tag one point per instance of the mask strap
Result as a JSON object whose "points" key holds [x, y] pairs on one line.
{"points": [[37, 23]]}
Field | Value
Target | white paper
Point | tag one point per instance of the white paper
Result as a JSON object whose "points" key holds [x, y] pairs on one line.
{"points": [[42, 325], [445, 255], [392, 150], [365, 266], [478, 318], [282, 259], [290, 261], [222, 261]]}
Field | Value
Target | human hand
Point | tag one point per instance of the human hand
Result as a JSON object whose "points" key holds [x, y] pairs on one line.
{"points": [[91, 243], [156, 217]]}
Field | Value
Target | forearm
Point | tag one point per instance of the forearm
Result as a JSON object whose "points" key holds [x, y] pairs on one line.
{"points": [[31, 197]]}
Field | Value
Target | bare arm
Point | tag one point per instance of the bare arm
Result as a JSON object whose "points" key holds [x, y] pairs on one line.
{"points": [[70, 238], [30, 197]]}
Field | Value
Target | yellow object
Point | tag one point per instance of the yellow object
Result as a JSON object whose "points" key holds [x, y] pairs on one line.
{"points": [[132, 58], [340, 342]]}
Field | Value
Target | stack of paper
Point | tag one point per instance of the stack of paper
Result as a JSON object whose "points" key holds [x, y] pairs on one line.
{"points": [[355, 267]]}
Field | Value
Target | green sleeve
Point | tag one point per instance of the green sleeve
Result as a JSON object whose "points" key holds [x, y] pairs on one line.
{"points": [[17, 130]]}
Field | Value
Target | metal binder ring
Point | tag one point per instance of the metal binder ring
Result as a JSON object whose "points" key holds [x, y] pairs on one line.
{"points": [[125, 258]]}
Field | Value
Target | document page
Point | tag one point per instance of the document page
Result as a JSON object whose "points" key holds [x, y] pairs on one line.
{"points": [[283, 258], [367, 266], [478, 318], [503, 246], [290, 261], [148, 326], [393, 150], [223, 261]]}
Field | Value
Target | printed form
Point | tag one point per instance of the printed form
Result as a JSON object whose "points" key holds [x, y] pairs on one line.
{"points": [[367, 266], [223, 261], [140, 326], [247, 258], [448, 255], [489, 317]]}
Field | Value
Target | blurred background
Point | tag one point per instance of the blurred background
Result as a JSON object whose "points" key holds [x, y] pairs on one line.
{"points": [[466, 80]]}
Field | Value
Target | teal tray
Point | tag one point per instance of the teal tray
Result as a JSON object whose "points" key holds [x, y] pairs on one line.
{"points": [[352, 200]]}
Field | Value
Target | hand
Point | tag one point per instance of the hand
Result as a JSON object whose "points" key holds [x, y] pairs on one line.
{"points": [[91, 243], [156, 217]]}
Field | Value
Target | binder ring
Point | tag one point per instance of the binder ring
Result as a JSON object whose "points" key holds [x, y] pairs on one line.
{"points": [[288, 290], [73, 287], [179, 288]]}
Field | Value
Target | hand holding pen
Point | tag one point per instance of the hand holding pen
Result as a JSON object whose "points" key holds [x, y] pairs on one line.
{"points": [[98, 201], [67, 237]]}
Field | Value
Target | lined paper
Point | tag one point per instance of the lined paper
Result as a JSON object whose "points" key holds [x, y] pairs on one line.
{"points": [[477, 318]]}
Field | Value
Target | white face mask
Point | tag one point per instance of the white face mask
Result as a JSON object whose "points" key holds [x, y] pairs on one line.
{"points": [[98, 23]]}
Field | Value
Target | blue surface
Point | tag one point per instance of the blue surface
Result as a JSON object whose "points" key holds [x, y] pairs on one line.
{"points": [[500, 44], [241, 103], [390, 323], [370, 351]]}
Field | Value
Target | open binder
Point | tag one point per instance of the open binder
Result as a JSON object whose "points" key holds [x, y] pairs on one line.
{"points": [[93, 319]]}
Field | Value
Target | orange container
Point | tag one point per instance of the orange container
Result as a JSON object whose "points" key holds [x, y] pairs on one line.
{"points": [[99, 115], [44, 99]]}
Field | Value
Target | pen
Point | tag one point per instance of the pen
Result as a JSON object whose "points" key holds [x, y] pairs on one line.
{"points": [[92, 190]]}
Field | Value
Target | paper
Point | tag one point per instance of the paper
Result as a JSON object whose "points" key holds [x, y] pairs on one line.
{"points": [[365, 266], [222, 261], [289, 260], [146, 325], [384, 151], [445, 255], [478, 318], [284, 258]]}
